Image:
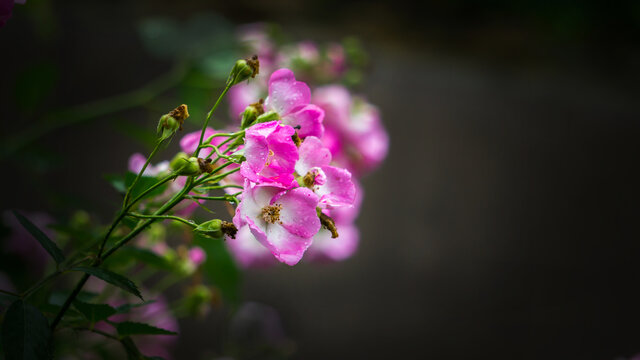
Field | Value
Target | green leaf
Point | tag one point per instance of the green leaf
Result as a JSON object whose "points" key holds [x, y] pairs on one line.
{"points": [[219, 267], [127, 307], [127, 328], [112, 278], [117, 181], [25, 332], [94, 312], [42, 238], [131, 349]]}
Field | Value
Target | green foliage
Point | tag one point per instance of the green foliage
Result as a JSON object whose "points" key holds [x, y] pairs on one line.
{"points": [[219, 267], [42, 238], [25, 332], [127, 328], [112, 278], [94, 312], [127, 307], [122, 183], [148, 257]]}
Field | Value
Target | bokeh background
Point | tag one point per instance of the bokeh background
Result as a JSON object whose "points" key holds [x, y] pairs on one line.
{"points": [[504, 223]]}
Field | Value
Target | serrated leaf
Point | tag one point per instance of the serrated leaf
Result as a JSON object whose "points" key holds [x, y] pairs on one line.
{"points": [[131, 349], [25, 332], [127, 328], [126, 307], [112, 278], [94, 312], [219, 267], [42, 238]]}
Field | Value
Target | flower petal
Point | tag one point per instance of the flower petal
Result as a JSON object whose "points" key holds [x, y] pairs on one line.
{"points": [[285, 246], [298, 214], [308, 118], [312, 153], [338, 190], [285, 93]]}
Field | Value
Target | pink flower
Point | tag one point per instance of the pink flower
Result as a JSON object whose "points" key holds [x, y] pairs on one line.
{"points": [[189, 144], [184, 208], [284, 221], [357, 138], [290, 99], [197, 256], [243, 95], [332, 184], [270, 152], [248, 251], [324, 247], [137, 160]]}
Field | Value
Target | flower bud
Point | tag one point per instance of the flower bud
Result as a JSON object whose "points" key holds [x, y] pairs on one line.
{"points": [[182, 165], [251, 113], [172, 122], [268, 116], [244, 69], [211, 228]]}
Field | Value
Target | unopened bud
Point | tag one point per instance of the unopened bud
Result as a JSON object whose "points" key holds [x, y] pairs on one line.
{"points": [[251, 113], [229, 229], [211, 228], [182, 165], [244, 69], [172, 122], [268, 116]]}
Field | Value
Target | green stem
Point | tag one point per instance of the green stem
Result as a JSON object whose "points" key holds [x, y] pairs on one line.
{"points": [[206, 122], [144, 167], [10, 293], [105, 334], [167, 217], [124, 211]]}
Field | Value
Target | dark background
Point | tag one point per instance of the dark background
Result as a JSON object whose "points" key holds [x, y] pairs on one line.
{"points": [[504, 223]]}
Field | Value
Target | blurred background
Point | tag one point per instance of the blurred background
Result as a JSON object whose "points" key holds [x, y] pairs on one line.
{"points": [[503, 224]]}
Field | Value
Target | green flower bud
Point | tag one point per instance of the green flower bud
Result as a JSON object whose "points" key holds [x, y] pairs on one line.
{"points": [[268, 116], [244, 69], [211, 228], [182, 165], [251, 113], [172, 122]]}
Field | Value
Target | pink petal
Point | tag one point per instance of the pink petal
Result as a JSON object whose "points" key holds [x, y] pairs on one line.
{"points": [[338, 190], [241, 96], [309, 118], [136, 162], [190, 141], [247, 250], [285, 93], [285, 246], [312, 153], [340, 248], [298, 214]]}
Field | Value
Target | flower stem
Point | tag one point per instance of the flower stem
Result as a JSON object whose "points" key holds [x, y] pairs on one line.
{"points": [[166, 217], [206, 122], [144, 167]]}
